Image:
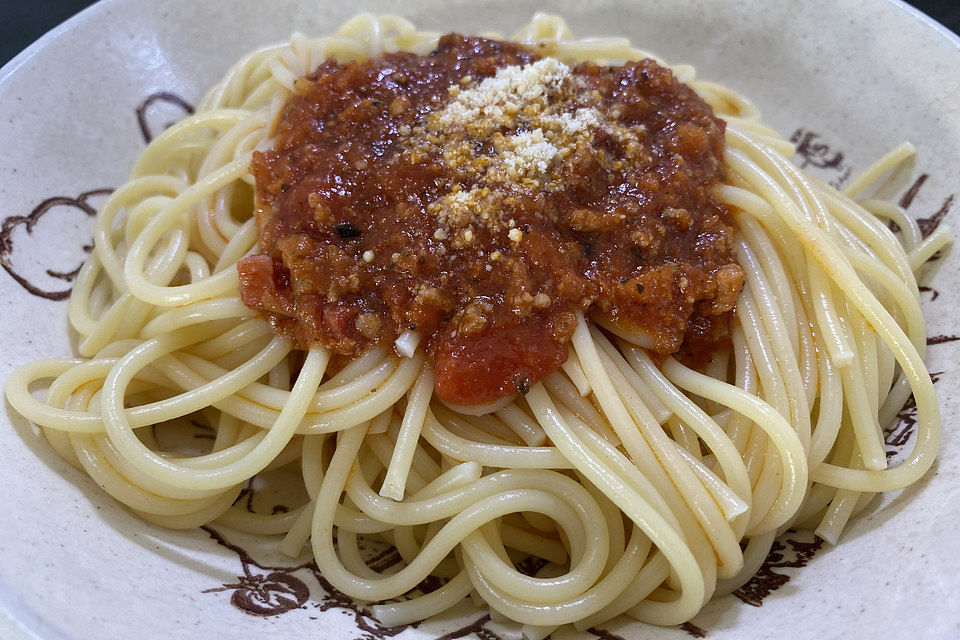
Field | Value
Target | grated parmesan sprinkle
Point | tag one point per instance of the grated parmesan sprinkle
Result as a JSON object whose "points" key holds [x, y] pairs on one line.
{"points": [[509, 133], [506, 93]]}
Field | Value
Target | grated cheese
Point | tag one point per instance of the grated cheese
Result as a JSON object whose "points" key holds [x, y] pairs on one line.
{"points": [[509, 90], [508, 134]]}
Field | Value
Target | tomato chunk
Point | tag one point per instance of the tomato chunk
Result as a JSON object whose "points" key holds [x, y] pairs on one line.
{"points": [[483, 367]]}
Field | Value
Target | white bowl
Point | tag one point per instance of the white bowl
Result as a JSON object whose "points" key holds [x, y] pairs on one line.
{"points": [[849, 80]]}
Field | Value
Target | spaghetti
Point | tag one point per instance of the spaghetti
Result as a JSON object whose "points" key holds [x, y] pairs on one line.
{"points": [[645, 486]]}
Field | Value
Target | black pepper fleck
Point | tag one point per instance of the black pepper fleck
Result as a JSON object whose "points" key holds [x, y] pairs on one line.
{"points": [[346, 230]]}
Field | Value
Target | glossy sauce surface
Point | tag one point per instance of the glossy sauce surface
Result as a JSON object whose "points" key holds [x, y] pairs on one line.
{"points": [[485, 229]]}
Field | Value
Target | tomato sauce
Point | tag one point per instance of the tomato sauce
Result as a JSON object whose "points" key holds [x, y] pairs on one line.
{"points": [[404, 194]]}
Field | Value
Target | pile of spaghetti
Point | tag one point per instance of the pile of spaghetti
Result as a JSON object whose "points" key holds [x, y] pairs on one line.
{"points": [[641, 485]]}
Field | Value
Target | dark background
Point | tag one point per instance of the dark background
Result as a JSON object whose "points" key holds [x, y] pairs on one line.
{"points": [[22, 22]]}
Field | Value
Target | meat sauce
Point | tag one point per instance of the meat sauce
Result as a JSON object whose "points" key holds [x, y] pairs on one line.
{"points": [[483, 196]]}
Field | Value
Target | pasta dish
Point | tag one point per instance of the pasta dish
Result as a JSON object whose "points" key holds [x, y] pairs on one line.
{"points": [[491, 301]]}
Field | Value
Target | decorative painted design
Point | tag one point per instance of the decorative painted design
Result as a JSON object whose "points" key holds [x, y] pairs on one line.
{"points": [[693, 630], [812, 151], [267, 590], [787, 552], [162, 104], [155, 113], [929, 225], [477, 628], [689, 627], [603, 634], [26, 274], [899, 434], [907, 198]]}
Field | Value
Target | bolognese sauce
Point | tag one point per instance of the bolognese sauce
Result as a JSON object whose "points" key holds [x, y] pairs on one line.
{"points": [[484, 195]]}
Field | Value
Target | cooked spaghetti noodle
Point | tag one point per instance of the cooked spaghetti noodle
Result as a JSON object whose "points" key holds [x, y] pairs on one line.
{"points": [[646, 486]]}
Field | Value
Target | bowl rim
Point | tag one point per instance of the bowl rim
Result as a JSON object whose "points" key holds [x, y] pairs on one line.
{"points": [[19, 620]]}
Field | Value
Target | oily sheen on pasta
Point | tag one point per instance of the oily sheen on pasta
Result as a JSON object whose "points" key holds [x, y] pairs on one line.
{"points": [[645, 485]]}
